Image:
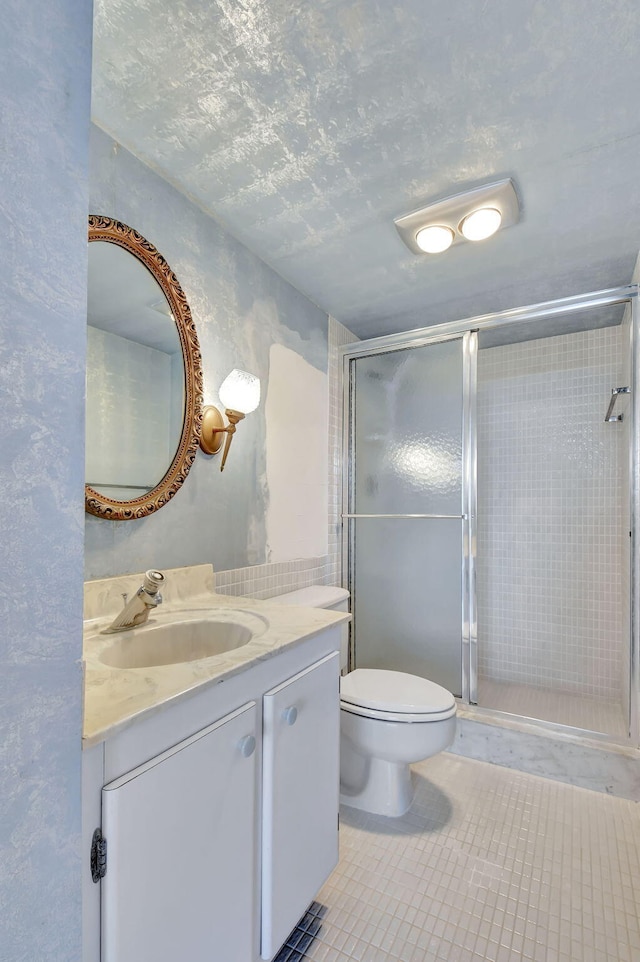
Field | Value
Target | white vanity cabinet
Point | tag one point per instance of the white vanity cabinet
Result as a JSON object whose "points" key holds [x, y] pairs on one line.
{"points": [[300, 796], [220, 814], [181, 833]]}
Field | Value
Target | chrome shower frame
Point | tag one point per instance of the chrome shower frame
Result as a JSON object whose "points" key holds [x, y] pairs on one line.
{"points": [[468, 329]]}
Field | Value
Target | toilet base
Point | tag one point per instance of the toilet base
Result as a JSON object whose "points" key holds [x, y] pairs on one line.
{"points": [[388, 790]]}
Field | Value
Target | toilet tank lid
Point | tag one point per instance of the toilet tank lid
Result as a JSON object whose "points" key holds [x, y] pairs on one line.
{"points": [[394, 691], [316, 596]]}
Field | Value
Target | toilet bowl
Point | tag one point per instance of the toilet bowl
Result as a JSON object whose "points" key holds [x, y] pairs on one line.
{"points": [[388, 720]]}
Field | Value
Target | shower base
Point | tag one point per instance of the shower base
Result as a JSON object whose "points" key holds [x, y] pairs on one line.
{"points": [[564, 708]]}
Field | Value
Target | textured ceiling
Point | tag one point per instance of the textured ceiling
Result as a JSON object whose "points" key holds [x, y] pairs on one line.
{"points": [[306, 127]]}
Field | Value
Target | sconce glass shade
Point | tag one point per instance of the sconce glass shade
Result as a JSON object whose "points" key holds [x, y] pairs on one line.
{"points": [[240, 391], [481, 223]]}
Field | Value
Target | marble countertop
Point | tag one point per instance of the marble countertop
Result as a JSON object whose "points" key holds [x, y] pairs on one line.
{"points": [[114, 698]]}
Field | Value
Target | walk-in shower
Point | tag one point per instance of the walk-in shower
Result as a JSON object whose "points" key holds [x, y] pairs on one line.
{"points": [[489, 509]]}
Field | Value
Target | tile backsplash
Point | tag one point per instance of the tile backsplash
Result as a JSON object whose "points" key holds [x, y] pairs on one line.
{"points": [[267, 580]]}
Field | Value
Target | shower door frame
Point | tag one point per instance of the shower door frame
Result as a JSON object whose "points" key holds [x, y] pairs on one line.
{"points": [[468, 329], [467, 502]]}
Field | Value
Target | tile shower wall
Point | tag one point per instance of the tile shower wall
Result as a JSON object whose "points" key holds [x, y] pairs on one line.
{"points": [[552, 530], [338, 337], [625, 494]]}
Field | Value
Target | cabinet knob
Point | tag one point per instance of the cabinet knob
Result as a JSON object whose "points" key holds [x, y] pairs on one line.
{"points": [[290, 715], [247, 746]]}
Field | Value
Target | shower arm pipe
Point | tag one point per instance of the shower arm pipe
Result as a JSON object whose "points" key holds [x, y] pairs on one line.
{"points": [[615, 394], [445, 517]]}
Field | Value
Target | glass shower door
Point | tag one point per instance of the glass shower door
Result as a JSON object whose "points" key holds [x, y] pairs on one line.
{"points": [[407, 512]]}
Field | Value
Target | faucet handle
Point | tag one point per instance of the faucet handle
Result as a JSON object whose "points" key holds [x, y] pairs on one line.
{"points": [[152, 581]]}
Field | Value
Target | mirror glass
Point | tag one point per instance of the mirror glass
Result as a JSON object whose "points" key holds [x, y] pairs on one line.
{"points": [[135, 377]]}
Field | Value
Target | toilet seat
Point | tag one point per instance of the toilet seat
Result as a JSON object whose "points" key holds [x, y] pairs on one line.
{"points": [[394, 696], [391, 716]]}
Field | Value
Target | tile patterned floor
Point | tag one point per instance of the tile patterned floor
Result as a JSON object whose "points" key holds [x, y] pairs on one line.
{"points": [[580, 711], [489, 864]]}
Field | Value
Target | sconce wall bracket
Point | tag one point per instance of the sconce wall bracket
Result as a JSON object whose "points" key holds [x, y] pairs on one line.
{"points": [[213, 430]]}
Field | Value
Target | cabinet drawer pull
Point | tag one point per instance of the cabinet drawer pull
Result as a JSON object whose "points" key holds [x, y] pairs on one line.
{"points": [[247, 746], [290, 715]]}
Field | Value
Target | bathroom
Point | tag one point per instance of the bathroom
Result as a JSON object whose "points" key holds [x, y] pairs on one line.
{"points": [[247, 316]]}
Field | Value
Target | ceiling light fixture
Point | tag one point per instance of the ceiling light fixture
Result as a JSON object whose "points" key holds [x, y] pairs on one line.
{"points": [[481, 223], [473, 215], [434, 239]]}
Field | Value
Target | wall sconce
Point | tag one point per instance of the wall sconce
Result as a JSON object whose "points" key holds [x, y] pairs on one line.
{"points": [[240, 394], [471, 216]]}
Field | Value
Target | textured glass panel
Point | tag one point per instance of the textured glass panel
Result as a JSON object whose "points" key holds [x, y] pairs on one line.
{"points": [[407, 447], [408, 596]]}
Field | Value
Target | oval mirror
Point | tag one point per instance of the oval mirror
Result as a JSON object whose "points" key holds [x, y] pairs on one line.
{"points": [[144, 376]]}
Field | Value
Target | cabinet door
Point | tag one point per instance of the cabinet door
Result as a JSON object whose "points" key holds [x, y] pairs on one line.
{"points": [[181, 851], [300, 796]]}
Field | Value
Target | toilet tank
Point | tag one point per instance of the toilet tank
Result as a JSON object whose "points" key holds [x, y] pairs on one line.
{"points": [[322, 596]]}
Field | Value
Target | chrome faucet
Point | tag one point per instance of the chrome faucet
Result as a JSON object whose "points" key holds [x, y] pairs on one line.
{"points": [[136, 611]]}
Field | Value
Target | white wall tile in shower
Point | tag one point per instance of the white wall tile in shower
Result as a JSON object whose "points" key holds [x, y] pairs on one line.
{"points": [[338, 337], [625, 406], [553, 522]]}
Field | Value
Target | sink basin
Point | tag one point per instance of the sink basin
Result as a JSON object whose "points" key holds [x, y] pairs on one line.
{"points": [[175, 642]]}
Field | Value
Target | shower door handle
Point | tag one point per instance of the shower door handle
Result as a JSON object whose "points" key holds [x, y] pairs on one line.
{"points": [[615, 394]]}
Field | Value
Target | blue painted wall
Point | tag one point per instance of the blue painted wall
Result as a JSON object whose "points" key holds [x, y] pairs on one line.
{"points": [[241, 308], [45, 80]]}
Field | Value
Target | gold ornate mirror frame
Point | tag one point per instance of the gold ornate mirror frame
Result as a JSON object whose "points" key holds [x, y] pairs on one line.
{"points": [[114, 232]]}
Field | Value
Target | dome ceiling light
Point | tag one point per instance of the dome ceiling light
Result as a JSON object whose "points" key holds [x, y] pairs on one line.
{"points": [[434, 239], [482, 223], [472, 216]]}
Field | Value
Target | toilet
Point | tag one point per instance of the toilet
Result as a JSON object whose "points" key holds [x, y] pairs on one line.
{"points": [[388, 720]]}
